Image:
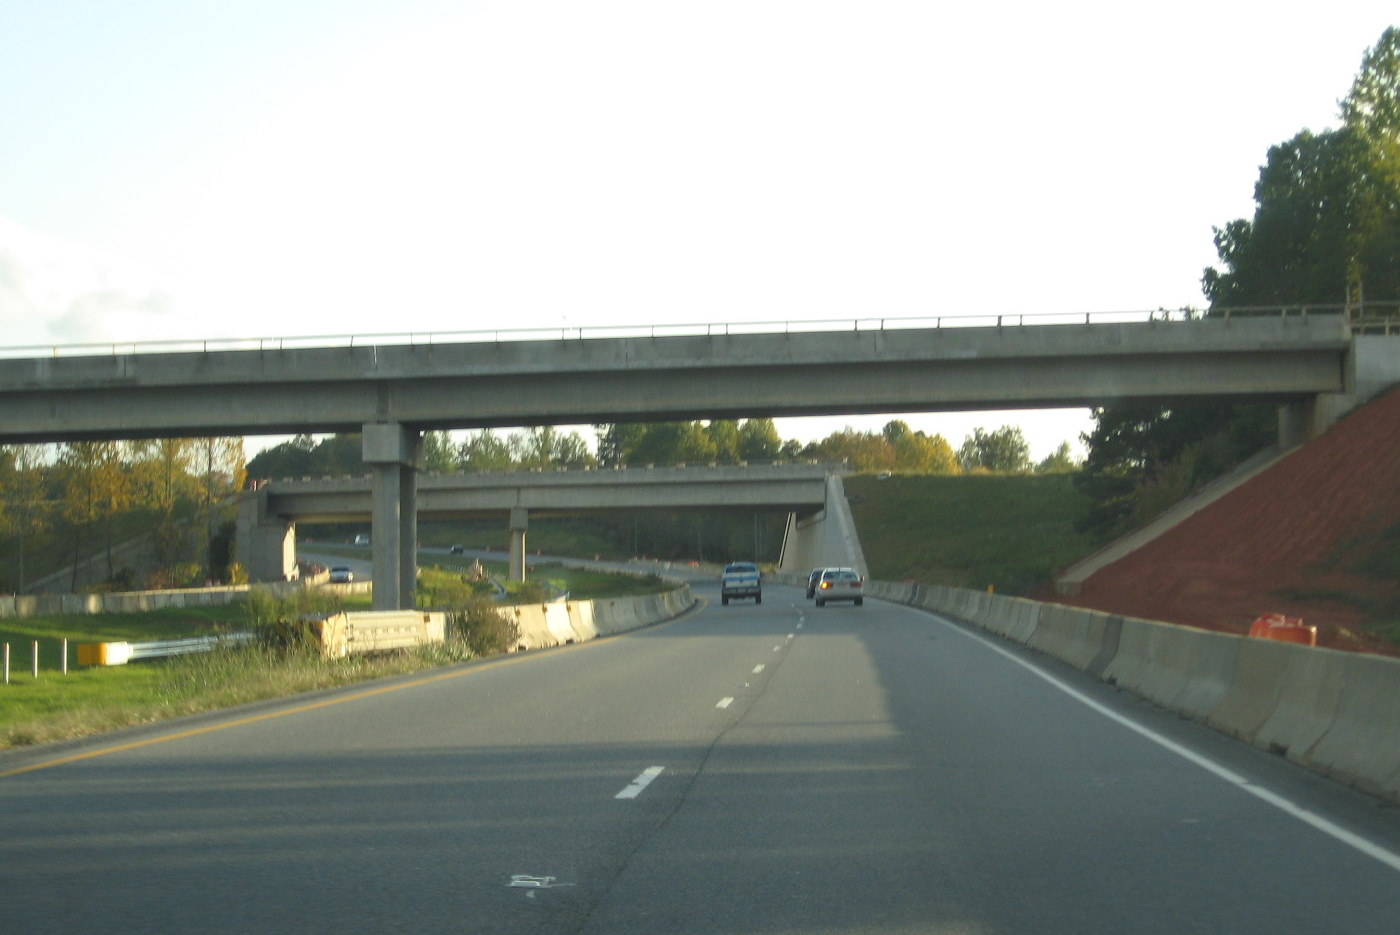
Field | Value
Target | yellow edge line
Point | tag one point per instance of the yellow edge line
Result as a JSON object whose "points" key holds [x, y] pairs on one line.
{"points": [[299, 709]]}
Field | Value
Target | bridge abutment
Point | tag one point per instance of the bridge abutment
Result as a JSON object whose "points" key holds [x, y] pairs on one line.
{"points": [[824, 539], [267, 545]]}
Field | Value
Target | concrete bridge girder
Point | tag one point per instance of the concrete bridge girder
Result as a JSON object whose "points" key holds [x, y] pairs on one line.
{"points": [[279, 391]]}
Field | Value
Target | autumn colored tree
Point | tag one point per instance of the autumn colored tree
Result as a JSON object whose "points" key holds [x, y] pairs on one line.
{"points": [[23, 509], [96, 485], [918, 453], [863, 452], [161, 473], [220, 473]]}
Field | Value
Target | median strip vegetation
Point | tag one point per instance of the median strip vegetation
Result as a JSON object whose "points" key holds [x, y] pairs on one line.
{"points": [[93, 700]]}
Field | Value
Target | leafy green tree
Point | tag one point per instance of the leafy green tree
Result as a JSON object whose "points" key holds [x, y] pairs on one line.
{"points": [[1326, 229], [895, 430], [1371, 111], [791, 450], [340, 455], [1002, 451], [1327, 206], [336, 456], [545, 446], [288, 459], [1059, 461], [759, 441], [666, 443], [439, 454], [723, 437], [617, 441], [485, 451]]}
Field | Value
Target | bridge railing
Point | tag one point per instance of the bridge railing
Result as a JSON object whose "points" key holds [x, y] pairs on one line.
{"points": [[1376, 318], [1373, 313]]}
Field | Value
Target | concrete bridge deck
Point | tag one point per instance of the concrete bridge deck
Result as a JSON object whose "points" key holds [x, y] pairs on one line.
{"points": [[476, 384], [393, 392]]}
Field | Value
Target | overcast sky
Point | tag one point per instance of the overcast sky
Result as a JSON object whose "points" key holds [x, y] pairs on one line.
{"points": [[174, 168]]}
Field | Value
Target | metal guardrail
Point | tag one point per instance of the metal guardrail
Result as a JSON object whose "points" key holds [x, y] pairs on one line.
{"points": [[707, 329], [157, 649], [120, 653]]}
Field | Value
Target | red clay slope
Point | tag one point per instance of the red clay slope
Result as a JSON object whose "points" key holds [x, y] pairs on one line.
{"points": [[1294, 529]]}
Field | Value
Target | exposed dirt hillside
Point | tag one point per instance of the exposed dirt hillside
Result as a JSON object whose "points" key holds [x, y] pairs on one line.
{"points": [[1316, 536]]}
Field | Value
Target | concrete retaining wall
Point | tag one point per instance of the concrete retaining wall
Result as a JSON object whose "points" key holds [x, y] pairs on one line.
{"points": [[1333, 712]]}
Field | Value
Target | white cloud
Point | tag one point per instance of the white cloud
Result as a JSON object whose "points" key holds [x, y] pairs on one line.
{"points": [[55, 292]]}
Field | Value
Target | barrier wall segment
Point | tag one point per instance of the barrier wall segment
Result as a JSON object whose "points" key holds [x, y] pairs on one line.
{"points": [[1333, 712]]}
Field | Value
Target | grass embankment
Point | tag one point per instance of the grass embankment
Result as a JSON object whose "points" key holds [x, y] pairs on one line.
{"points": [[1009, 532], [89, 701]]}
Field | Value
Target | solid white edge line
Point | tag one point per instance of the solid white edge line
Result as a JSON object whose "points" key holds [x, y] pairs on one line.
{"points": [[1335, 831], [641, 782]]}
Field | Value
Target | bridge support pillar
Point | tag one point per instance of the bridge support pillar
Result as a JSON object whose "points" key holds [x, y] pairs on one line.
{"points": [[394, 454], [519, 522]]}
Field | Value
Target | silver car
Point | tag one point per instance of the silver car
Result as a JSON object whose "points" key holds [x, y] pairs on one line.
{"points": [[840, 584]]}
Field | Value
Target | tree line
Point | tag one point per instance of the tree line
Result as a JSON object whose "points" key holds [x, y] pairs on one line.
{"points": [[1325, 231], [896, 448], [60, 504]]}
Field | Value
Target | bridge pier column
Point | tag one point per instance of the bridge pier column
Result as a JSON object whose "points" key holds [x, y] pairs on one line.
{"points": [[393, 453], [519, 522]]}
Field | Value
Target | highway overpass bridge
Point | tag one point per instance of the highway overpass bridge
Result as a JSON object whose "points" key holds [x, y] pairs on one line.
{"points": [[392, 392], [819, 531]]}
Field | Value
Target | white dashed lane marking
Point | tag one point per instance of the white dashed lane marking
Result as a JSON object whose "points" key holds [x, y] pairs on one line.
{"points": [[640, 783]]}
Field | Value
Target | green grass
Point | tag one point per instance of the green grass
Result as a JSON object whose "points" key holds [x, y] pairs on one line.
{"points": [[50, 631], [585, 585], [91, 700], [94, 700], [1009, 532]]}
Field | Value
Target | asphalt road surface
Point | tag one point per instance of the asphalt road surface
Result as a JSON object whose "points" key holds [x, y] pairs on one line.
{"points": [[749, 769]]}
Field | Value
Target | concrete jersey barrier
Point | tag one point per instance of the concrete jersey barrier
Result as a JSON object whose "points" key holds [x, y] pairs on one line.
{"points": [[1336, 713], [557, 624]]}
